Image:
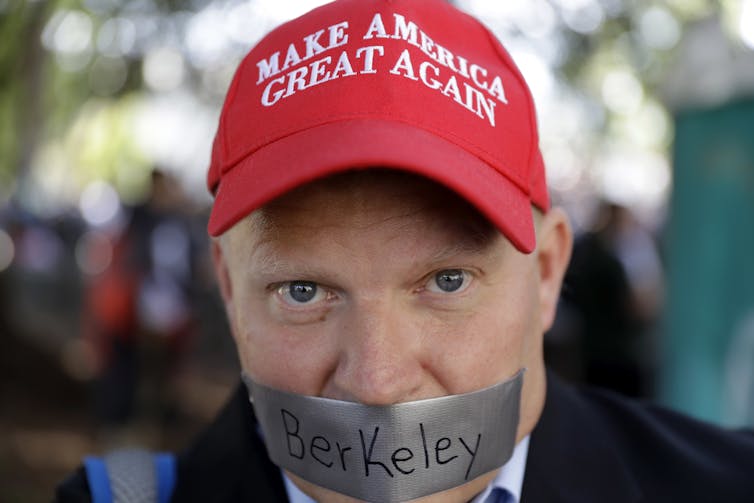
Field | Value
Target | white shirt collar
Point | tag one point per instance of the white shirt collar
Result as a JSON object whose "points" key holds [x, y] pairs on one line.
{"points": [[510, 477]]}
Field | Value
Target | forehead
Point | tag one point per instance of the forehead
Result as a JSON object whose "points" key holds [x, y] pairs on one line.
{"points": [[368, 199]]}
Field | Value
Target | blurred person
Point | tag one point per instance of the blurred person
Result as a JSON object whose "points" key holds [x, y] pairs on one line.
{"points": [[614, 287], [7, 254], [110, 325], [166, 294], [389, 262], [138, 308]]}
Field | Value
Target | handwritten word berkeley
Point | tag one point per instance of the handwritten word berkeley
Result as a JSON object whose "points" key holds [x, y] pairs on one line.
{"points": [[477, 91], [428, 451]]}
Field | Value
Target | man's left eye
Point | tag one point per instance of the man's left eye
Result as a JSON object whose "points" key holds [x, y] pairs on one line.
{"points": [[449, 281], [297, 293]]}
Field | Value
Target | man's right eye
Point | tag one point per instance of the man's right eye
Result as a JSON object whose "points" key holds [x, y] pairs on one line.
{"points": [[300, 292]]}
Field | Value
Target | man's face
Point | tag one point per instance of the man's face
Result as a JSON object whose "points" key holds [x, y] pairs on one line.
{"points": [[383, 289]]}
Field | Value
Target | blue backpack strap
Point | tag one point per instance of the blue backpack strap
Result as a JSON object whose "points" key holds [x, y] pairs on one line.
{"points": [[125, 476], [99, 482], [165, 470]]}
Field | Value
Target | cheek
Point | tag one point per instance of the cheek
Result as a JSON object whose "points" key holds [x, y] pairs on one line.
{"points": [[295, 359], [486, 345], [475, 351]]}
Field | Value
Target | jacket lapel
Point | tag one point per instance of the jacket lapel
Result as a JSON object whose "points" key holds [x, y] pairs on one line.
{"points": [[228, 462], [571, 456]]}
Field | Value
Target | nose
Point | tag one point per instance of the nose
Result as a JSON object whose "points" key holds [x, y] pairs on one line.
{"points": [[379, 360]]}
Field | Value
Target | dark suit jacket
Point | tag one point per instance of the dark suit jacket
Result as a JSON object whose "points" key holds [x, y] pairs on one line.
{"points": [[589, 446]]}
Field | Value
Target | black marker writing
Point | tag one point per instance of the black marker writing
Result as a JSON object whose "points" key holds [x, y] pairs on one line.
{"points": [[473, 453], [292, 433], [342, 453], [445, 441], [368, 455], [424, 443], [323, 446]]}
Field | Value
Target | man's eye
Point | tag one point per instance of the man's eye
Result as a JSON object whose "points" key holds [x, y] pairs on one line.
{"points": [[449, 281], [300, 292]]}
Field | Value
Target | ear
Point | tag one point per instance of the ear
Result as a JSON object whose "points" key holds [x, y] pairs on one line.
{"points": [[554, 244], [223, 280]]}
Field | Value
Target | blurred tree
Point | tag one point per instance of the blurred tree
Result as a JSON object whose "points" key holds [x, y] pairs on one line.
{"points": [[56, 55], [21, 83]]}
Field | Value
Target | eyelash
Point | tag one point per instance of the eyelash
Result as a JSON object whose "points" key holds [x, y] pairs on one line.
{"points": [[431, 281], [282, 291]]}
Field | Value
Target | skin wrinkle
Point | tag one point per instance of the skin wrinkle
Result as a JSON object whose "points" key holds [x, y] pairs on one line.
{"points": [[474, 237], [357, 184], [269, 263], [383, 340], [470, 241]]}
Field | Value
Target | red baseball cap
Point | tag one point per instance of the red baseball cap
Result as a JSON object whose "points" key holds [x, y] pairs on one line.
{"points": [[414, 85]]}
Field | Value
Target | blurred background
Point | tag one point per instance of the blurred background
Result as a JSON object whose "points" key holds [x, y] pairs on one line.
{"points": [[110, 328]]}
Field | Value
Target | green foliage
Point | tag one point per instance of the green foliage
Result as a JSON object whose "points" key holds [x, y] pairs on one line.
{"points": [[41, 98], [20, 58]]}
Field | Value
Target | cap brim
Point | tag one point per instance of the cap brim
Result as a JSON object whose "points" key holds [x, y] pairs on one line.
{"points": [[335, 147]]}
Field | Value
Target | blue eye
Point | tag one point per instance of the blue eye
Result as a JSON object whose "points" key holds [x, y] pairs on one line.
{"points": [[449, 281], [300, 292]]}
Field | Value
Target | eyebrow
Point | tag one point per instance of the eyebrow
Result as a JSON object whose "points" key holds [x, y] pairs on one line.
{"points": [[472, 237], [271, 265], [269, 262], [468, 245]]}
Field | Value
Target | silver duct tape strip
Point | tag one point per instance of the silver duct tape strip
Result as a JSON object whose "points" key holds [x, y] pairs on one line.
{"points": [[389, 453]]}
